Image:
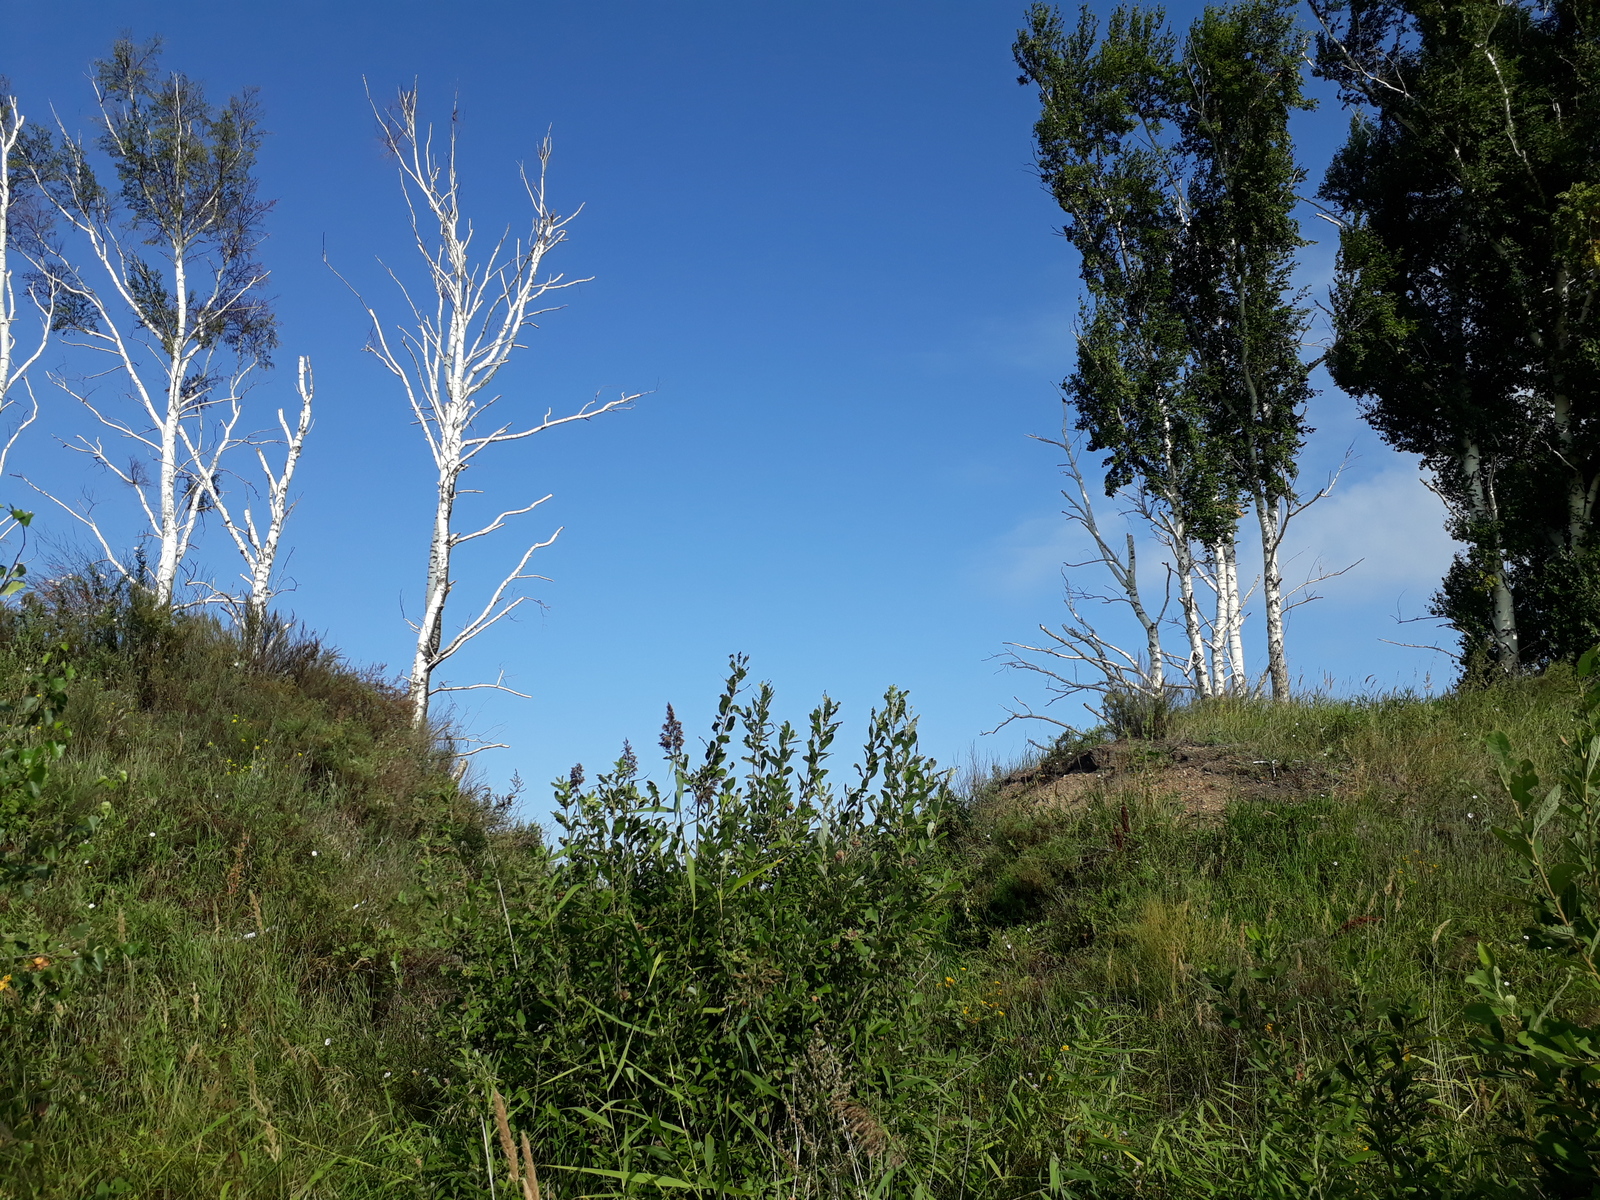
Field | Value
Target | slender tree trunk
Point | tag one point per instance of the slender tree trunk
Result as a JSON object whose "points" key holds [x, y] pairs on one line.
{"points": [[1580, 491], [1241, 679], [167, 555], [1270, 519], [1184, 553], [1219, 623], [8, 139], [171, 552], [1155, 672], [279, 504], [430, 630], [1480, 492]]}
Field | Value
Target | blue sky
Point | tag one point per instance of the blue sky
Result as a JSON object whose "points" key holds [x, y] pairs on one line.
{"points": [[817, 241]]}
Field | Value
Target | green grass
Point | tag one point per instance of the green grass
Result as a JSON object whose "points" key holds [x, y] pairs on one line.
{"points": [[1367, 881], [1126, 999], [270, 1034]]}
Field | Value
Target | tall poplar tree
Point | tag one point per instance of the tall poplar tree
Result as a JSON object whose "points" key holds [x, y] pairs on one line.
{"points": [[1107, 153], [1240, 81], [1465, 306], [1178, 177]]}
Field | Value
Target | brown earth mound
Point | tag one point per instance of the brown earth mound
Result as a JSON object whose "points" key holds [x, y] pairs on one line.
{"points": [[1201, 779]]}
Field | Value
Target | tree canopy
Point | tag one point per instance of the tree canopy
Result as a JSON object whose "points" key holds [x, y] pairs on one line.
{"points": [[1464, 309]]}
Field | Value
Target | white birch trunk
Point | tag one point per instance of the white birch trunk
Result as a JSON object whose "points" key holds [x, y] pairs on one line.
{"points": [[1240, 677], [1270, 519], [1155, 656], [14, 364], [1480, 492], [1193, 625], [430, 630], [1221, 613]]}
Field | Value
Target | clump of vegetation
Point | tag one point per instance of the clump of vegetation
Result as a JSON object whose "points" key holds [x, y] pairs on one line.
{"points": [[719, 987]]}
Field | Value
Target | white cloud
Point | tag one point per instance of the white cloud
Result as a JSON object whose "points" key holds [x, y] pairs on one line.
{"points": [[1390, 521], [1027, 560]]}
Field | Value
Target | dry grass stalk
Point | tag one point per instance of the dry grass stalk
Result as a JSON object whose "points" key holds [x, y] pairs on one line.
{"points": [[503, 1127], [236, 872], [274, 1148], [863, 1129], [530, 1176], [522, 1170]]}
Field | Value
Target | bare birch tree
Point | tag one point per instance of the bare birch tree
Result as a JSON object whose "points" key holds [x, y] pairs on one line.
{"points": [[1079, 657], [184, 328], [16, 358], [258, 545], [17, 224], [460, 337]]}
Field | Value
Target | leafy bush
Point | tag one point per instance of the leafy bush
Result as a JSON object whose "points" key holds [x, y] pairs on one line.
{"points": [[703, 988], [1556, 837]]}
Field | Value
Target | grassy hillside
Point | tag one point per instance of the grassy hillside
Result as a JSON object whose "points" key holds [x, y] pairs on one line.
{"points": [[260, 1023], [1223, 962], [259, 942]]}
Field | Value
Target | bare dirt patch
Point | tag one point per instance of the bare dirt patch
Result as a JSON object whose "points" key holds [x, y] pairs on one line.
{"points": [[1201, 780]]}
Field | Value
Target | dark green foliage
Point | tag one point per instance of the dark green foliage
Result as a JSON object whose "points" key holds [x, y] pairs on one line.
{"points": [[1178, 177], [698, 985], [1107, 158], [1177, 174], [1106, 152], [1556, 836], [1464, 307], [1242, 68]]}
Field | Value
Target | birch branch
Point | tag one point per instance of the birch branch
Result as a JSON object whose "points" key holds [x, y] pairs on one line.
{"points": [[260, 551], [447, 359]]}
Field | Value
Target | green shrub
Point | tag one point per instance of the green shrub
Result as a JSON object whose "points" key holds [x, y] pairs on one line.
{"points": [[707, 986]]}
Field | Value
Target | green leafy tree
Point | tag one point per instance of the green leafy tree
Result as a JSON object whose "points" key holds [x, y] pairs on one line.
{"points": [[1178, 178], [1464, 309], [1241, 81], [1107, 154], [169, 289]]}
